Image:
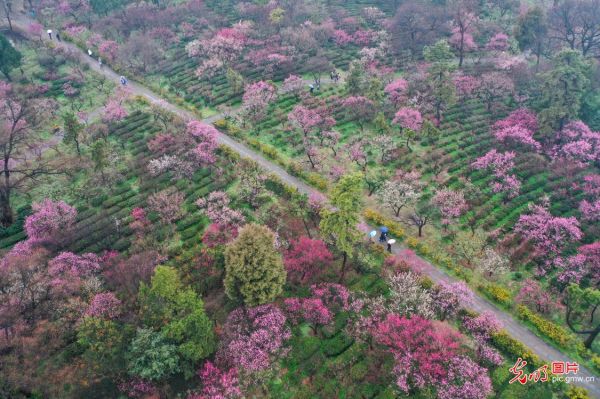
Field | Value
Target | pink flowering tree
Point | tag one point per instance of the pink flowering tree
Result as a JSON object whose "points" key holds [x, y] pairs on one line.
{"points": [[216, 208], [50, 221], [465, 380], [341, 37], [109, 50], [294, 85], [104, 305], [578, 143], [449, 298], [216, 235], [482, 327], [360, 109], [253, 338], [494, 88], [309, 310], [410, 122], [306, 259], [518, 127], [590, 207], [500, 165], [35, 29], [68, 271], [397, 91], [451, 204], [420, 349], [498, 42], [205, 137], [462, 34], [256, 100], [465, 86], [218, 52], [218, 383], [312, 124], [138, 388], [113, 112], [534, 296], [167, 205], [549, 234]]}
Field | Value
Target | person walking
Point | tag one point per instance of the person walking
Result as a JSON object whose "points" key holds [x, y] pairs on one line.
{"points": [[389, 245], [123, 81], [57, 36], [49, 31], [311, 88], [90, 52]]}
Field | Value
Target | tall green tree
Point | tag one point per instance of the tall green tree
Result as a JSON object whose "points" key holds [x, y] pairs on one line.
{"points": [[73, 129], [440, 87], [10, 58], [151, 356], [563, 89], [254, 272], [178, 313], [581, 306], [531, 32], [339, 223]]}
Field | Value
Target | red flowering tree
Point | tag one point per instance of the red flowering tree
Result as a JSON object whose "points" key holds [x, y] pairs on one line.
{"points": [[420, 349], [306, 259], [310, 310]]}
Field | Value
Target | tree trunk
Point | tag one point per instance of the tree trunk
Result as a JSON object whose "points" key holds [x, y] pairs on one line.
{"points": [[590, 339], [6, 218], [420, 230], [344, 262], [7, 12]]}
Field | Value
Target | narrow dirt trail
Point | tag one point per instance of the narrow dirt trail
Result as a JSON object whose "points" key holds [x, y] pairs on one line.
{"points": [[512, 326]]}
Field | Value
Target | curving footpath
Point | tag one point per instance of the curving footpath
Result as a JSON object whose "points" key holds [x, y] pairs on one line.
{"points": [[545, 351]]}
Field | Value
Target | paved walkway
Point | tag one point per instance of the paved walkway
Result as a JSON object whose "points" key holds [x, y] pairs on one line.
{"points": [[512, 326]]}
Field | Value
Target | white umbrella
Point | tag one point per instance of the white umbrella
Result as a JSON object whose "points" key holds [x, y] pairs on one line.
{"points": [[392, 241]]}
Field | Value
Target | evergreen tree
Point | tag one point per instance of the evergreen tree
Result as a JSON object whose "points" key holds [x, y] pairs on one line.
{"points": [[179, 314], [563, 90], [10, 58], [254, 272], [338, 224]]}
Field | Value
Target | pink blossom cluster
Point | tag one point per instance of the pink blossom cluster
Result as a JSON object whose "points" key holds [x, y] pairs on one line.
{"points": [[519, 126], [449, 298], [104, 305], [397, 91], [205, 136], [253, 338], [216, 208], [218, 383], [549, 234], [500, 164], [452, 204], [465, 379], [138, 388], [49, 220], [578, 143], [408, 118]]}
